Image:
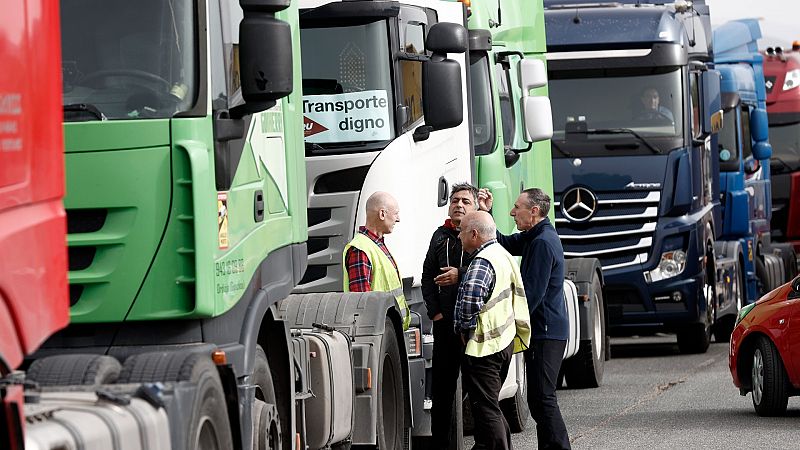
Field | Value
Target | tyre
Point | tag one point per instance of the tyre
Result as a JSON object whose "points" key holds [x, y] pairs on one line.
{"points": [[78, 369], [390, 425], [266, 421], [209, 428], [585, 369], [694, 339], [515, 409], [769, 380], [724, 327], [697, 337]]}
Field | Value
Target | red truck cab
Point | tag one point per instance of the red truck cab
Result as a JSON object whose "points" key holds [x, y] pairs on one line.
{"points": [[34, 299], [782, 77]]}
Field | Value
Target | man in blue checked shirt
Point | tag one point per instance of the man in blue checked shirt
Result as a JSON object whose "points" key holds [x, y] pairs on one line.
{"points": [[491, 316]]}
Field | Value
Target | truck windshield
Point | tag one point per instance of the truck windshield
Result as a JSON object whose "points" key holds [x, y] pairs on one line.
{"points": [[785, 140], [347, 87], [127, 59], [646, 101]]}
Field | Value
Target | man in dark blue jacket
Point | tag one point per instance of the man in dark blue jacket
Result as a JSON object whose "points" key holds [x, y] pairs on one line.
{"points": [[543, 275]]}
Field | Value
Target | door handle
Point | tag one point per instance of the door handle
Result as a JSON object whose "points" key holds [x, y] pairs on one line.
{"points": [[443, 188], [258, 206]]}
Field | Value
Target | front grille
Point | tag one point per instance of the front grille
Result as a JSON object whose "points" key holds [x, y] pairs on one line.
{"points": [[622, 300], [80, 257], [75, 291], [619, 233], [85, 220], [318, 215]]}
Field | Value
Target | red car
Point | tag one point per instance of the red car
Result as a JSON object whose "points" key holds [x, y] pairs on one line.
{"points": [[764, 353]]}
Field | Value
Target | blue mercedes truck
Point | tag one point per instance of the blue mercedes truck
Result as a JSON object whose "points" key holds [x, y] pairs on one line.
{"points": [[756, 264], [636, 108]]}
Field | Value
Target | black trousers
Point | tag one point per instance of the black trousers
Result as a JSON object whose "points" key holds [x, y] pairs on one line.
{"points": [[483, 378], [542, 362], [447, 353]]}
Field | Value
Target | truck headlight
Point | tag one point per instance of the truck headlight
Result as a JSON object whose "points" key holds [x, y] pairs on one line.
{"points": [[672, 264], [792, 79]]}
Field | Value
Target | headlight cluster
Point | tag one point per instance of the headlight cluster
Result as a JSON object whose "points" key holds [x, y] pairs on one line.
{"points": [[792, 79], [672, 264]]}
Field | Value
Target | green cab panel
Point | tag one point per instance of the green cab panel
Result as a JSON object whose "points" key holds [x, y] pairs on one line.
{"points": [[117, 204]]}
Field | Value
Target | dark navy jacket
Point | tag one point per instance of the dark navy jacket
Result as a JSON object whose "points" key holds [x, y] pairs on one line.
{"points": [[543, 275]]}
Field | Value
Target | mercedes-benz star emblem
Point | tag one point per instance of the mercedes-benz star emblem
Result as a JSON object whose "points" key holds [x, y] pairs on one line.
{"points": [[578, 204]]}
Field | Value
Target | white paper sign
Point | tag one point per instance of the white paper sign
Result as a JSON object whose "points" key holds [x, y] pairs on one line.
{"points": [[348, 117]]}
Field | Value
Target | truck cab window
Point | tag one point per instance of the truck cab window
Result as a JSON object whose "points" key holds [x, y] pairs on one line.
{"points": [[507, 113], [728, 144], [483, 133], [747, 140], [694, 105], [347, 85], [128, 60], [412, 50]]}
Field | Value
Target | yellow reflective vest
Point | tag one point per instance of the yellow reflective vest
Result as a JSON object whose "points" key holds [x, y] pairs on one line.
{"points": [[504, 318], [385, 277]]}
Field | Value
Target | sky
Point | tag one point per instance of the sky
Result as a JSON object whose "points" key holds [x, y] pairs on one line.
{"points": [[780, 19]]}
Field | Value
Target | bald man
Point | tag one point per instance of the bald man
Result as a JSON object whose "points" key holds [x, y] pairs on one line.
{"points": [[491, 315], [367, 263]]}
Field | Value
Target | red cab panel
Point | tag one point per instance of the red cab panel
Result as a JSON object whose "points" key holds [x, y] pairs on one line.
{"points": [[34, 299]]}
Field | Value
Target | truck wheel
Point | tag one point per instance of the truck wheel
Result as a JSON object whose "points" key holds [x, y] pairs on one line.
{"points": [[585, 369], [209, 428], [694, 339], [769, 380], [515, 409], [697, 337], [390, 393], [65, 370], [266, 421], [789, 258]]}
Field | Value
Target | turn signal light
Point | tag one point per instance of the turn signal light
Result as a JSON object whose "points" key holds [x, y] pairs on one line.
{"points": [[219, 357]]}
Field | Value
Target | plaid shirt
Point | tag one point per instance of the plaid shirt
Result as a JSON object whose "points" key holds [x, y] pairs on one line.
{"points": [[359, 268], [474, 291]]}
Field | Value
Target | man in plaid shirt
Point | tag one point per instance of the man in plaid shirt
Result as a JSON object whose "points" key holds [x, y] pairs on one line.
{"points": [[383, 213]]}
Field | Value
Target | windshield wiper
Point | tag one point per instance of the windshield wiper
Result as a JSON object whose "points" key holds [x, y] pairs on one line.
{"points": [[560, 150], [85, 107], [624, 131]]}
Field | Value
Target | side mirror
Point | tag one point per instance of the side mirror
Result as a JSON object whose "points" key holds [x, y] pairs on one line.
{"points": [[537, 112], [759, 130], [532, 74], [442, 101], [710, 102], [538, 118], [447, 37], [265, 59]]}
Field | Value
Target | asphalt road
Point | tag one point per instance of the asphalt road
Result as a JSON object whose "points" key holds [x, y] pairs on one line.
{"points": [[655, 398]]}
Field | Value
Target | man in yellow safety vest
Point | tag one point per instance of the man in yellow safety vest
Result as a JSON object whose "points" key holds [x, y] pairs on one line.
{"points": [[367, 263], [492, 317]]}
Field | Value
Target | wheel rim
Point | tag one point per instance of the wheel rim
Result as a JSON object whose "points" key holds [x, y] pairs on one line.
{"points": [[207, 436], [758, 376], [389, 403], [598, 328]]}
